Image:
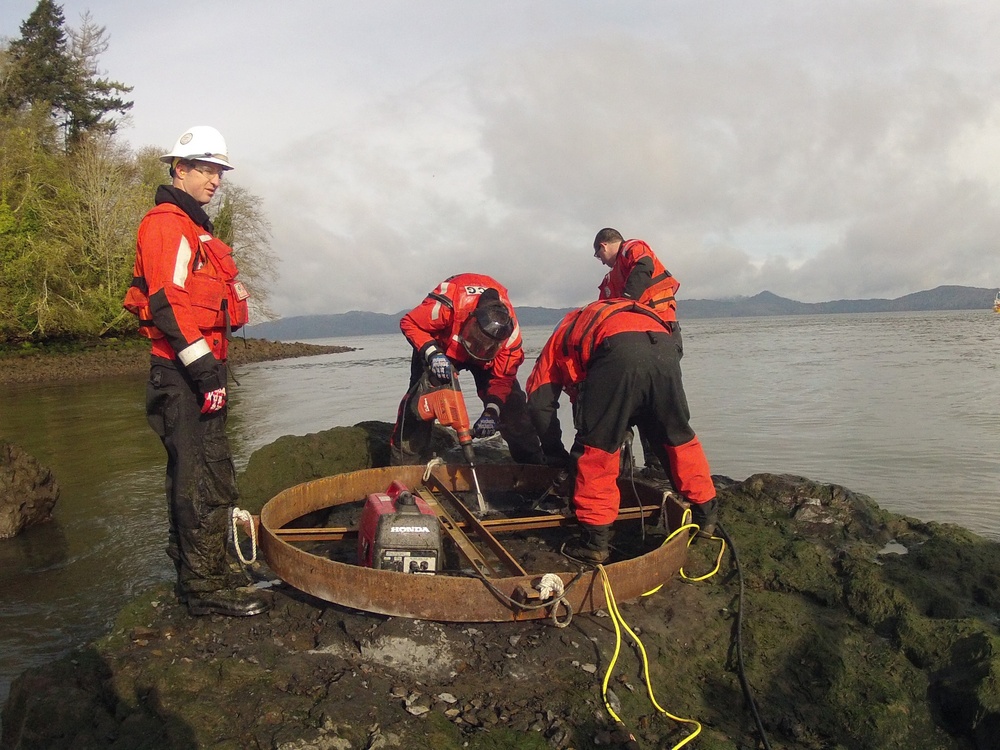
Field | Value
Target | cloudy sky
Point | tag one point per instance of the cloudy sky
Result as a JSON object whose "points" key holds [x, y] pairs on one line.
{"points": [[818, 149]]}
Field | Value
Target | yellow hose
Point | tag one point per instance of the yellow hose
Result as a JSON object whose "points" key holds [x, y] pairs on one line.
{"points": [[619, 623]]}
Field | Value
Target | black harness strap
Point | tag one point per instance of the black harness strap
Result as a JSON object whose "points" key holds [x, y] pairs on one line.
{"points": [[442, 299], [609, 308]]}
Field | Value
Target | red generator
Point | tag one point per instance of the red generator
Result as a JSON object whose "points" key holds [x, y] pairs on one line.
{"points": [[400, 532]]}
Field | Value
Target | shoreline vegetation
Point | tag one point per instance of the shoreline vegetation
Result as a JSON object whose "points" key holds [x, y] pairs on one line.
{"points": [[81, 361]]}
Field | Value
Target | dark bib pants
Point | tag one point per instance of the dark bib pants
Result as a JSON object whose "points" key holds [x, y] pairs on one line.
{"points": [[200, 480], [634, 378]]}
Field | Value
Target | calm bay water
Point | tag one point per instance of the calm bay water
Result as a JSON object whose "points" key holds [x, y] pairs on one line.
{"points": [[903, 407]]}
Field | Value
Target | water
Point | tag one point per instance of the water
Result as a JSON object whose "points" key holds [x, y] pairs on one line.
{"points": [[902, 407]]}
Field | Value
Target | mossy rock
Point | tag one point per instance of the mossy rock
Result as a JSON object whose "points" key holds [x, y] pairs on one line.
{"points": [[936, 606], [28, 490], [292, 460]]}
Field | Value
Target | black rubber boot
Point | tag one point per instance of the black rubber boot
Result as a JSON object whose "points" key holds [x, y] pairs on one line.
{"points": [[706, 515], [591, 546], [242, 602]]}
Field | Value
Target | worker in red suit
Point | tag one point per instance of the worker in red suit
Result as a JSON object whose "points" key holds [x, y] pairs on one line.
{"points": [[636, 273], [188, 300], [620, 365], [466, 323]]}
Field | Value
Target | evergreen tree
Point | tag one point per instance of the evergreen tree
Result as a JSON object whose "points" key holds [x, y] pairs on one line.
{"points": [[42, 69], [97, 96], [39, 67]]}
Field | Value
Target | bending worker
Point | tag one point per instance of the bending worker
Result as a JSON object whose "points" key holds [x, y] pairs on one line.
{"points": [[620, 366], [186, 294], [466, 323]]}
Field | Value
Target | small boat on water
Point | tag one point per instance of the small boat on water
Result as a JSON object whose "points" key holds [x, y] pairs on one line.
{"points": [[996, 303], [495, 567]]}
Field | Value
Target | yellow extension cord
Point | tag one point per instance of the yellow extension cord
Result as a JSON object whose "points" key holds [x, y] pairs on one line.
{"points": [[619, 622]]}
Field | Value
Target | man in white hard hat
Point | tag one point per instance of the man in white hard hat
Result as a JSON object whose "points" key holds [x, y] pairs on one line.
{"points": [[188, 299]]}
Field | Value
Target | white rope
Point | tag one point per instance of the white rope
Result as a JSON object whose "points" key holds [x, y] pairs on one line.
{"points": [[551, 587], [244, 517], [436, 461]]}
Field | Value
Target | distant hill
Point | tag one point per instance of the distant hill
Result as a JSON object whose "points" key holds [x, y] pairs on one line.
{"points": [[354, 323], [358, 323], [766, 303]]}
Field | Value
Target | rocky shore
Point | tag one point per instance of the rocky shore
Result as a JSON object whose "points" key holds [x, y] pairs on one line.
{"points": [[101, 359], [858, 629]]}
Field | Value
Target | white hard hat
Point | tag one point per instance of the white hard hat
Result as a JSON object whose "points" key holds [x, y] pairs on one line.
{"points": [[200, 143]]}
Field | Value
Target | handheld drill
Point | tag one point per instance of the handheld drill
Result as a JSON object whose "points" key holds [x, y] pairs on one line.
{"points": [[445, 404]]}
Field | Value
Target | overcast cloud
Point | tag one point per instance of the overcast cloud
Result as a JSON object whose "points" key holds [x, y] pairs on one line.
{"points": [[819, 150]]}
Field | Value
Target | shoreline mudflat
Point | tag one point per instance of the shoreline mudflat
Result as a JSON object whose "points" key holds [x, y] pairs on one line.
{"points": [[128, 358]]}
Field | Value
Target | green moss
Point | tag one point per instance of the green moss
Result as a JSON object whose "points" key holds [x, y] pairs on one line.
{"points": [[968, 687], [949, 566], [291, 460], [139, 612], [878, 696]]}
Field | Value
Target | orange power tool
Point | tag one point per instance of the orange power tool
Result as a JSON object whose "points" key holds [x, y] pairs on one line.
{"points": [[445, 404]]}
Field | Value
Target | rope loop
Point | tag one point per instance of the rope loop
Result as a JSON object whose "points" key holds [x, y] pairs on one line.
{"points": [[243, 516], [551, 587], [554, 613], [436, 461]]}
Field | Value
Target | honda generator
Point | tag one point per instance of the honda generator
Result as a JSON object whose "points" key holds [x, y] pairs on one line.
{"points": [[400, 532]]}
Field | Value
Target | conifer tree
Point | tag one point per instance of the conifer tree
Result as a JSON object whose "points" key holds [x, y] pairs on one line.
{"points": [[40, 68], [97, 96], [43, 69]]}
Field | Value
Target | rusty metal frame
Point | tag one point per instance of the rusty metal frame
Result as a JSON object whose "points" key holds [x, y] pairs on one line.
{"points": [[494, 525], [472, 521], [450, 598], [466, 548]]}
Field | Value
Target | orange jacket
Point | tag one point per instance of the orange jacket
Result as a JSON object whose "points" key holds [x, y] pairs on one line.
{"points": [[185, 291], [638, 274], [564, 359], [437, 321]]}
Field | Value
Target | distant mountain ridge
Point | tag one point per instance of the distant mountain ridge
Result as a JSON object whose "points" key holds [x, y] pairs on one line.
{"points": [[766, 303], [360, 323]]}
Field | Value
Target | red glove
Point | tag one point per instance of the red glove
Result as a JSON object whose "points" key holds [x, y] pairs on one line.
{"points": [[214, 401]]}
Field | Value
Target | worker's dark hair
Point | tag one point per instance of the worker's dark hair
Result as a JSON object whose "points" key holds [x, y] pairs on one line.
{"points": [[608, 235]]}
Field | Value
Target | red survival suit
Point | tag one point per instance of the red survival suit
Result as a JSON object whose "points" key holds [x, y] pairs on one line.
{"points": [[621, 366], [435, 325], [185, 292], [638, 274]]}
